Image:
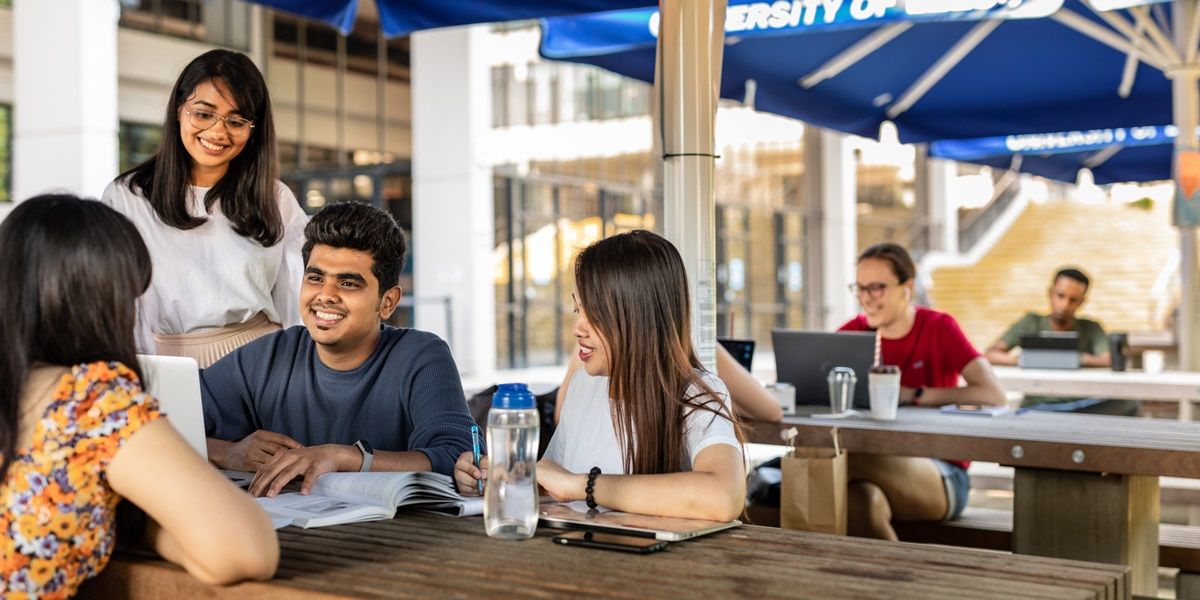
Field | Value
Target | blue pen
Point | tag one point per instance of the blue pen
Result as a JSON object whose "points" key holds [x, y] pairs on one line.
{"points": [[475, 450]]}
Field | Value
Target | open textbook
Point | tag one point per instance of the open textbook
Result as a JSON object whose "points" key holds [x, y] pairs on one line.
{"points": [[338, 498]]}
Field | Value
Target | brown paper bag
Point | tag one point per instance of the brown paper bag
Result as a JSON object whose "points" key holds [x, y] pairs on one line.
{"points": [[813, 488]]}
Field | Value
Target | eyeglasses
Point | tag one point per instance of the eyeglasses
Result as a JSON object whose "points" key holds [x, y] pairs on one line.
{"points": [[204, 119], [874, 290]]}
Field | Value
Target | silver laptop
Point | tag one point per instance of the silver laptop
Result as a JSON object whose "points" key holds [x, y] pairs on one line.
{"points": [[804, 359], [175, 382], [670, 529]]}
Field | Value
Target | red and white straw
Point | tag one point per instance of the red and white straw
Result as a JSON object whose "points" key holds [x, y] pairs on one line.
{"points": [[878, 339]]}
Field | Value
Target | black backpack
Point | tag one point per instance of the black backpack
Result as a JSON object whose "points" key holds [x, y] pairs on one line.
{"points": [[480, 403]]}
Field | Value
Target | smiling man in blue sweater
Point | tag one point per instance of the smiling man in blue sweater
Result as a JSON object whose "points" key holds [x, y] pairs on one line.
{"points": [[345, 392]]}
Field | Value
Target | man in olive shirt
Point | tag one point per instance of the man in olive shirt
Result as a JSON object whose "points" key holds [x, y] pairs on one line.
{"points": [[1068, 292]]}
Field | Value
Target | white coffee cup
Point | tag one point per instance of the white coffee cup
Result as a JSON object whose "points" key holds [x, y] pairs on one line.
{"points": [[884, 390], [785, 393], [1152, 361]]}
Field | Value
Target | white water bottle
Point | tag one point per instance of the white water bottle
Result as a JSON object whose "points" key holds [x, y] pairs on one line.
{"points": [[510, 508]]}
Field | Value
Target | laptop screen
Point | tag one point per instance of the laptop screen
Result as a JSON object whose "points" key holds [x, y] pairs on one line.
{"points": [[742, 350], [804, 359]]}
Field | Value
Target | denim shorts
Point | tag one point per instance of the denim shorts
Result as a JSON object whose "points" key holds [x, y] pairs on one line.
{"points": [[958, 488]]}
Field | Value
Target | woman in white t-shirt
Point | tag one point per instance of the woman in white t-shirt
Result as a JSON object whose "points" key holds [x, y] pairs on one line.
{"points": [[223, 232], [643, 424]]}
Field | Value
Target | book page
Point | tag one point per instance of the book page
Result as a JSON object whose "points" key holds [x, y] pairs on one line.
{"points": [[392, 489], [380, 488], [317, 511]]}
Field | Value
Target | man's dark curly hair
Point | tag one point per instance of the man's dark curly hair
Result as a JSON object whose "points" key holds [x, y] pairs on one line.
{"points": [[362, 227]]}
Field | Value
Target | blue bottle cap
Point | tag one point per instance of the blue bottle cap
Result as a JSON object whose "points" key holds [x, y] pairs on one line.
{"points": [[513, 396]]}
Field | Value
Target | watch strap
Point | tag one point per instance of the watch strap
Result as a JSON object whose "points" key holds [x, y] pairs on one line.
{"points": [[368, 455]]}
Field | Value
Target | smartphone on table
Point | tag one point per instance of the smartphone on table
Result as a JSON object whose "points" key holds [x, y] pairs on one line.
{"points": [[608, 541]]}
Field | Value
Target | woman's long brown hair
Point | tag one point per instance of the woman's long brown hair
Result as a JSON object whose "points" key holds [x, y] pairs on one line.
{"points": [[633, 288]]}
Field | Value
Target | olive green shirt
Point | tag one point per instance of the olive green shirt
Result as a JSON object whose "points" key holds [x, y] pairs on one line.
{"points": [[1092, 340]]}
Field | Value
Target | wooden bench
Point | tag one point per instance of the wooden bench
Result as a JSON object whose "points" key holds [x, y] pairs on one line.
{"points": [[991, 529]]}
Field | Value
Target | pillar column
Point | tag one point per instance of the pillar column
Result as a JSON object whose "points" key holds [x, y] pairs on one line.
{"points": [[832, 228], [65, 96], [453, 238]]}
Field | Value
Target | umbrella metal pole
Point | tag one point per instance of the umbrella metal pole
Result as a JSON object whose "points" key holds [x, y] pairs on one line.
{"points": [[691, 43], [1186, 105]]}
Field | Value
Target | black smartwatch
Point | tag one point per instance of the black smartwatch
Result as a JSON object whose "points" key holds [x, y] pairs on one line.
{"points": [[917, 393], [368, 454]]}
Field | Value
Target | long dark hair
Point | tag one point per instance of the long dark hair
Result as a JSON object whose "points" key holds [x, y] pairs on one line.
{"points": [[633, 288], [247, 191], [74, 270]]}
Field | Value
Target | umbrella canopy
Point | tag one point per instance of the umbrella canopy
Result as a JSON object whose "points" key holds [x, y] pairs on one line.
{"points": [[937, 73], [401, 17], [1112, 155]]}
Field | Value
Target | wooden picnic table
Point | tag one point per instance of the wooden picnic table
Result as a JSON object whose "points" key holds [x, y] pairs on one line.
{"points": [[1176, 386], [432, 556], [1085, 486]]}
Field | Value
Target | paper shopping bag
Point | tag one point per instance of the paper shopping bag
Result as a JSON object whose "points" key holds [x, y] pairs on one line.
{"points": [[813, 489]]}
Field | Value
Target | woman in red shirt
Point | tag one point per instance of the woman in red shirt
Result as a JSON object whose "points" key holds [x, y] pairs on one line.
{"points": [[931, 352]]}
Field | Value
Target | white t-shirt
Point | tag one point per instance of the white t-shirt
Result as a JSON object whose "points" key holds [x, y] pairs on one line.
{"points": [[209, 276], [585, 436]]}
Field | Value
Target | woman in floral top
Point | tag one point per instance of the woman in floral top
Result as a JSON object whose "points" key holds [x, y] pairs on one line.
{"points": [[77, 432]]}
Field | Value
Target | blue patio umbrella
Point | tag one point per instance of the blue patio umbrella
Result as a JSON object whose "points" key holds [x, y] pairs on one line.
{"points": [[1049, 65], [1112, 155], [401, 17]]}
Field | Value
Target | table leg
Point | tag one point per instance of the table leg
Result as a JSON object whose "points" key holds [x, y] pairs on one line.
{"points": [[1089, 516]]}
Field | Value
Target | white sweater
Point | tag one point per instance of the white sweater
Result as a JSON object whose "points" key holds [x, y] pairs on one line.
{"points": [[210, 276]]}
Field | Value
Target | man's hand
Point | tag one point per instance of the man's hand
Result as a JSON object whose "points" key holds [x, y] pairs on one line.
{"points": [[311, 462], [250, 453]]}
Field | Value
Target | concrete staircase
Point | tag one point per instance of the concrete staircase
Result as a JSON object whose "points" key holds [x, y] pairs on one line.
{"points": [[1122, 247]]}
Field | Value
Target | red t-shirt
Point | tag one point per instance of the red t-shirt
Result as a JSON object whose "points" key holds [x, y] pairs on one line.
{"points": [[932, 354]]}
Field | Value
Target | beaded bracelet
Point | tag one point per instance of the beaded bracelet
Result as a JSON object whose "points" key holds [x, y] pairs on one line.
{"points": [[591, 487]]}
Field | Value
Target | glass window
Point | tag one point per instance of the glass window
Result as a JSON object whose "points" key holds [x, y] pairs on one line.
{"points": [[362, 46], [137, 142], [541, 222], [221, 22], [884, 173]]}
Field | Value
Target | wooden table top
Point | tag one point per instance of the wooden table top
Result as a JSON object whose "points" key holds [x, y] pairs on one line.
{"points": [[1106, 444], [425, 555], [1104, 383]]}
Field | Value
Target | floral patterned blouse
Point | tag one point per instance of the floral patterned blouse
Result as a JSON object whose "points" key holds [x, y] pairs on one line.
{"points": [[59, 511]]}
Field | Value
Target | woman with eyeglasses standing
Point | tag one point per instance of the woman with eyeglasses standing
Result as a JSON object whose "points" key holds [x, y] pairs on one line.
{"points": [[931, 351], [224, 233]]}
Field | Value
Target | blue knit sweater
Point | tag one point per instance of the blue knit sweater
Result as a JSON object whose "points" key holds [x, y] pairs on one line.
{"points": [[406, 396]]}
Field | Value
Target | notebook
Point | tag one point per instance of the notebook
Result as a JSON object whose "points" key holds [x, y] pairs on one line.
{"points": [[670, 529]]}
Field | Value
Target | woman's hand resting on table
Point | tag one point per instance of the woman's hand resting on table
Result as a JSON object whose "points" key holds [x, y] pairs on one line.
{"points": [[559, 483]]}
